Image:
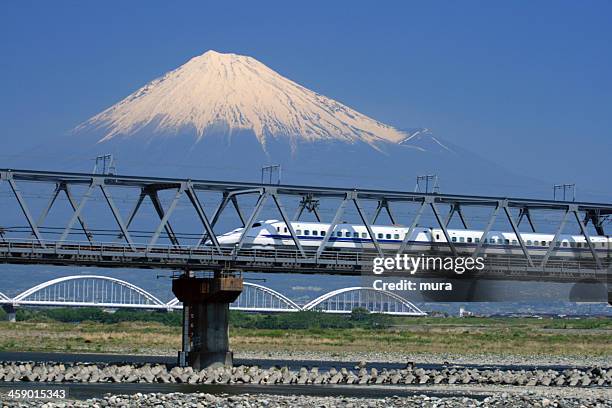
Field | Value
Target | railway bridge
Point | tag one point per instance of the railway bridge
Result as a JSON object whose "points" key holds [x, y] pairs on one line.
{"points": [[117, 221]]}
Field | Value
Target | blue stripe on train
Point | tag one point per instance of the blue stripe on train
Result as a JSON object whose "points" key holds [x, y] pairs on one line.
{"points": [[398, 241]]}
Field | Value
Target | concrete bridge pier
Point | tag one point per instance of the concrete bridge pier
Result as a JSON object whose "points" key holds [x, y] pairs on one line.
{"points": [[11, 312], [206, 318]]}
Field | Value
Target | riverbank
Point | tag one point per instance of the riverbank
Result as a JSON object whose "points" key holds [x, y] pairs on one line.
{"points": [[514, 340]]}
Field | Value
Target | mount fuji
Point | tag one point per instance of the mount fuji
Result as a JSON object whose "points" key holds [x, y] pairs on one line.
{"points": [[232, 92], [224, 116]]}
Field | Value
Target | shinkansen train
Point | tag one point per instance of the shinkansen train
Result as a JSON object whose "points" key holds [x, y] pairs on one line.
{"points": [[271, 234]]}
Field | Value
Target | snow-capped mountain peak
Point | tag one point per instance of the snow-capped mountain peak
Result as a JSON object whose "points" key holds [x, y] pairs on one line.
{"points": [[233, 92]]}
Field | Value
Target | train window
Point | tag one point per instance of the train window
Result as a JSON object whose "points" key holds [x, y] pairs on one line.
{"points": [[364, 235], [558, 243], [461, 239], [257, 224], [396, 236], [298, 232], [572, 245], [339, 233], [285, 229], [564, 244], [603, 244], [437, 236], [388, 236], [306, 232], [355, 235], [322, 233], [454, 239], [277, 229], [477, 240], [507, 241], [380, 236], [528, 242], [469, 239], [578, 244], [514, 242]]}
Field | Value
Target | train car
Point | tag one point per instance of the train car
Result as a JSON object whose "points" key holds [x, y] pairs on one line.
{"points": [[272, 234], [507, 243], [275, 234]]}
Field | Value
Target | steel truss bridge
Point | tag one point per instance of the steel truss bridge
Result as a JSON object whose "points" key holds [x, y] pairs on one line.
{"points": [[33, 241], [112, 293]]}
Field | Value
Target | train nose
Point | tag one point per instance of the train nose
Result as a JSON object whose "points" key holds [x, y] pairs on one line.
{"points": [[226, 240]]}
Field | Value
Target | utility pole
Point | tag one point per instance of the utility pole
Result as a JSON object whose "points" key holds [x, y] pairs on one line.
{"points": [[429, 180], [566, 188], [268, 172], [105, 164]]}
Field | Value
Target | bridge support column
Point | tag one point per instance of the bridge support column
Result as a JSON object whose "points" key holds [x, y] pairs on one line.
{"points": [[206, 318], [11, 312]]}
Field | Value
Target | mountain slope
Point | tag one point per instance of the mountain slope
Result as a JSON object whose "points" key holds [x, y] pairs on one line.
{"points": [[229, 92]]}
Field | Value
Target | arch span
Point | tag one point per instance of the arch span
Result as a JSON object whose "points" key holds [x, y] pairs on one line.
{"points": [[4, 298], [261, 298], [89, 290], [376, 301], [255, 298]]}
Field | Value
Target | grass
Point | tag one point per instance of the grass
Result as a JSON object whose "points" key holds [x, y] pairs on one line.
{"points": [[152, 333], [436, 339]]}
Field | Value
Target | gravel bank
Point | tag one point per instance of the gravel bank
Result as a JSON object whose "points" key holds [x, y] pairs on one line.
{"points": [[426, 358], [159, 373], [262, 400]]}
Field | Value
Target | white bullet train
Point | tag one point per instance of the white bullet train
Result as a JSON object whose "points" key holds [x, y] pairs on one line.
{"points": [[271, 234]]}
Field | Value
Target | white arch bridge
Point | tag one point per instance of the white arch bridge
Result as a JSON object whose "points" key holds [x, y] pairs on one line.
{"points": [[112, 293]]}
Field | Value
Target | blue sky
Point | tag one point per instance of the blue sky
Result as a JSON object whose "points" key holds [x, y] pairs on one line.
{"points": [[527, 84]]}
